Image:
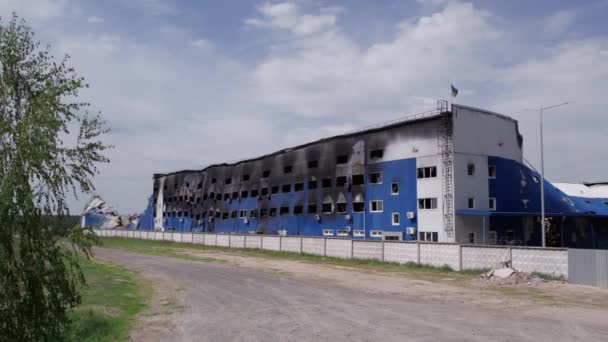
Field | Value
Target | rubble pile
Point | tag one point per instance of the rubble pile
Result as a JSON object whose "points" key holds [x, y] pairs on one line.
{"points": [[510, 276], [97, 213]]}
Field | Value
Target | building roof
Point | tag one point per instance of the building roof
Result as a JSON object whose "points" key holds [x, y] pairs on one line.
{"points": [[587, 190]]}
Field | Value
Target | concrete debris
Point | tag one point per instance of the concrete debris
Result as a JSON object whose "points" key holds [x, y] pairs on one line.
{"points": [[97, 213], [510, 276]]}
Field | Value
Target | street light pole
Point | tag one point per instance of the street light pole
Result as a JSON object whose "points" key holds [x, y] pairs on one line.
{"points": [[542, 174]]}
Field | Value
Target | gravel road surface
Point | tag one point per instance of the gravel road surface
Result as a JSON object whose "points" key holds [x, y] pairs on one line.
{"points": [[202, 301]]}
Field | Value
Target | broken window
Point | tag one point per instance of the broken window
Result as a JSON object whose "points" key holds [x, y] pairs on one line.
{"points": [[226, 196], [298, 209], [204, 197], [427, 172], [286, 188], [358, 179], [326, 208], [253, 213], [298, 187], [225, 215], [326, 183], [287, 169], [340, 181], [375, 178], [342, 159], [395, 188], [427, 203], [235, 195], [264, 191], [312, 208], [175, 186], [313, 164], [471, 169], [213, 180], [228, 180], [284, 211], [491, 171], [273, 212], [312, 184], [187, 185], [376, 206], [341, 207], [254, 192], [185, 214], [233, 214], [263, 212], [376, 154], [212, 195], [218, 196], [244, 194], [358, 207], [492, 203], [200, 185], [245, 177], [274, 190], [265, 173], [243, 213], [164, 187], [179, 214]]}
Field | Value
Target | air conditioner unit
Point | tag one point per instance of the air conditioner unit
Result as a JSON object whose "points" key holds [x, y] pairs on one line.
{"points": [[246, 221], [318, 217], [411, 215], [347, 217], [411, 231], [211, 219], [348, 228]]}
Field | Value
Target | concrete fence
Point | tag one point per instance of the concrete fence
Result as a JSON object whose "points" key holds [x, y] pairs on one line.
{"points": [[458, 257]]}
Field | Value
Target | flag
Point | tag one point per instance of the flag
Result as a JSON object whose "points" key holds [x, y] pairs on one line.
{"points": [[454, 91]]}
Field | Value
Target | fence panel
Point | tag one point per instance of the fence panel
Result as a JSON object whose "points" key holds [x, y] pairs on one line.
{"points": [[209, 239], [401, 252], [483, 257], [339, 248], [550, 261], [198, 238], [158, 236], [291, 244], [187, 237], [438, 254], [223, 240], [314, 246], [271, 243], [371, 250], [176, 237], [253, 241], [588, 267], [130, 234], [237, 241]]}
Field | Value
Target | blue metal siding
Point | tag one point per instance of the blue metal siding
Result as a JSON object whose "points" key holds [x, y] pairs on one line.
{"points": [[401, 171]]}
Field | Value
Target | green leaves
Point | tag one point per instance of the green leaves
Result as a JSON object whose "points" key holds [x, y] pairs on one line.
{"points": [[50, 145]]}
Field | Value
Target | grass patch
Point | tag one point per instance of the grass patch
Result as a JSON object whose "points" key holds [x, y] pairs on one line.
{"points": [[111, 298], [179, 250], [549, 277]]}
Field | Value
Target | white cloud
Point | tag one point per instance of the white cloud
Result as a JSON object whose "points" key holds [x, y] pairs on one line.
{"points": [[560, 21], [286, 15], [95, 20], [35, 10]]}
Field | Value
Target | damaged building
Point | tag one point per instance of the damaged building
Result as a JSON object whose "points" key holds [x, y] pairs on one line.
{"points": [[448, 175]]}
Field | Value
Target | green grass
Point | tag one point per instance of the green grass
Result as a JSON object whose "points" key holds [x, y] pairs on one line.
{"points": [[180, 250], [109, 301], [549, 277]]}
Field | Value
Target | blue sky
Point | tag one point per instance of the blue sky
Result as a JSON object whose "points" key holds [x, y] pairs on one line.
{"points": [[187, 83]]}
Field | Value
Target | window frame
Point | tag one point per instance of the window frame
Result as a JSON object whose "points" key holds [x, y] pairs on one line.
{"points": [[493, 201], [393, 193], [324, 212], [371, 206], [376, 233], [358, 233], [379, 175], [469, 201], [376, 154], [338, 208], [241, 213], [431, 201], [471, 169], [328, 232], [492, 175], [398, 216]]}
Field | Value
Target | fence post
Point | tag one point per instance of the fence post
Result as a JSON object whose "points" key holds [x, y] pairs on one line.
{"points": [[460, 257], [229, 240], [418, 244], [324, 246], [352, 248], [511, 256], [301, 247], [280, 243], [163, 236], [245, 240], [192, 238], [382, 257], [216, 240], [262, 242]]}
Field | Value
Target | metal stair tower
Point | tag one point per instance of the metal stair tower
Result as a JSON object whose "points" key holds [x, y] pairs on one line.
{"points": [[445, 140]]}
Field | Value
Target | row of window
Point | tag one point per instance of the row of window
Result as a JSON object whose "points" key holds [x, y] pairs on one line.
{"points": [[491, 203], [491, 170], [374, 178]]}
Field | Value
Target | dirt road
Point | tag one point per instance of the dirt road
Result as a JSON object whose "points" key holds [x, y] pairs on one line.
{"points": [[205, 301]]}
